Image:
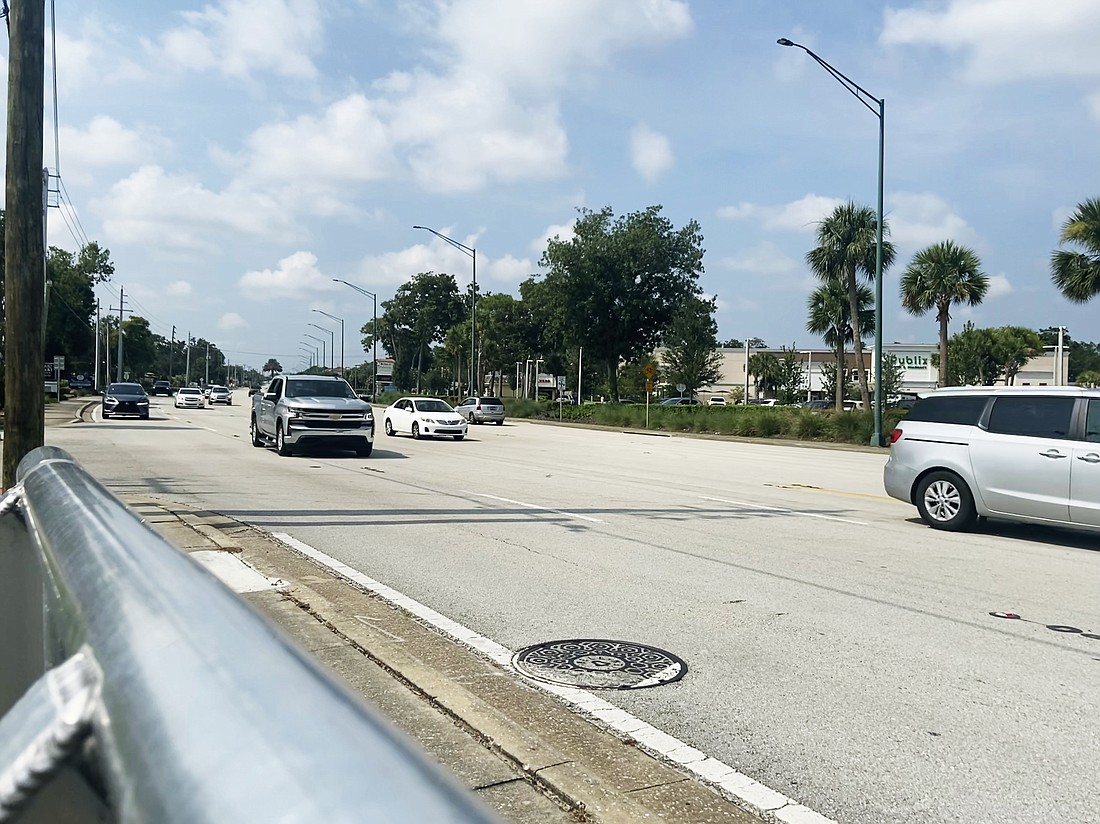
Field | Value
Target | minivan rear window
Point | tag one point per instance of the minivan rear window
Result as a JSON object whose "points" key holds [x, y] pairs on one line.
{"points": [[960, 409], [1033, 417], [492, 402]]}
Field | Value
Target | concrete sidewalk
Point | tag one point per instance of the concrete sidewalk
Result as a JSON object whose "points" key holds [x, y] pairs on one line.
{"points": [[520, 749]]}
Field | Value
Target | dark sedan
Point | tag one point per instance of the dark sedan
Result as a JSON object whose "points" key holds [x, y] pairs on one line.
{"points": [[125, 399]]}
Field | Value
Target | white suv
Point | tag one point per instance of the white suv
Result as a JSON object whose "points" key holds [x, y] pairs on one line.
{"points": [[1021, 453]]}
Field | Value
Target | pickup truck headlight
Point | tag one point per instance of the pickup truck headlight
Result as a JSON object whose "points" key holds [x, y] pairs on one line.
{"points": [[294, 412]]}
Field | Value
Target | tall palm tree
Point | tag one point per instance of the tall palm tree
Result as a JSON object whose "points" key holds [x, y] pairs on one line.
{"points": [[940, 275], [1077, 274], [846, 242], [830, 316], [764, 366]]}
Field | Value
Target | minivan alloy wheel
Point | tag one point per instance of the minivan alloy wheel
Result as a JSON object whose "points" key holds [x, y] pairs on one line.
{"points": [[944, 501]]}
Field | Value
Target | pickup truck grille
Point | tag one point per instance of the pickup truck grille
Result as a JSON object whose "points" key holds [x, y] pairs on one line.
{"points": [[331, 420]]}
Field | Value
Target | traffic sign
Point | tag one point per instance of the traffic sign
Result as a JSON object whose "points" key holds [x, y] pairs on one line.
{"points": [[680, 387], [649, 370]]}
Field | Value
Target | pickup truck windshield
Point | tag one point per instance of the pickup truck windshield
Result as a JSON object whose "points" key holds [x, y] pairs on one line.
{"points": [[319, 389]]}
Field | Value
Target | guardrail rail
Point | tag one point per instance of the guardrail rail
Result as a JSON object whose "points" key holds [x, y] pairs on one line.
{"points": [[135, 687]]}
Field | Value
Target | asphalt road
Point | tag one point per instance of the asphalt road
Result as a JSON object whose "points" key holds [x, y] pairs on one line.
{"points": [[839, 651]]}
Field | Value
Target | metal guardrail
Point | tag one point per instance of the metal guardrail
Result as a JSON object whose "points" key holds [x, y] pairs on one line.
{"points": [[163, 694]]}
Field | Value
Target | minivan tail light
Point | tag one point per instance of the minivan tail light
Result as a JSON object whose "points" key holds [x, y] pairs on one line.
{"points": [[895, 436], [479, 407]]}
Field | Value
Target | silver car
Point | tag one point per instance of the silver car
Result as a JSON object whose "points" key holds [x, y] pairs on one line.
{"points": [[1028, 454], [482, 410], [220, 394]]}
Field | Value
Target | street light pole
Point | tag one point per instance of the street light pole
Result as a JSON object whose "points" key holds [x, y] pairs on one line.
{"points": [[878, 109], [320, 341], [327, 315], [332, 348], [374, 330], [472, 252]]}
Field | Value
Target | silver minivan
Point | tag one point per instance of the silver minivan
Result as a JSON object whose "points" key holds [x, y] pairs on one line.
{"points": [[482, 410], [1028, 454]]}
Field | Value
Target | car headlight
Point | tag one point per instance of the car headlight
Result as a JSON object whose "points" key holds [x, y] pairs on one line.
{"points": [[143, 403], [294, 412]]}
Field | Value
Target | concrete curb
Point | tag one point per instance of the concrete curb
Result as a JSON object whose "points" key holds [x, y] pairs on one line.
{"points": [[594, 775]]}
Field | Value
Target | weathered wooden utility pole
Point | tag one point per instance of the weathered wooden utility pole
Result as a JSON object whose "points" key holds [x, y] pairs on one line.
{"points": [[24, 244]]}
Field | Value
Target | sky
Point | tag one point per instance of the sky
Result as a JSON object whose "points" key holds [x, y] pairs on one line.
{"points": [[237, 156]]}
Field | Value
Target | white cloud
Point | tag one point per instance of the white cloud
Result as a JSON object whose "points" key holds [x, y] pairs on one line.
{"points": [[241, 37], [650, 153], [765, 258], [296, 276], [998, 287], [230, 321], [105, 142], [347, 143], [176, 212], [178, 289], [561, 231], [919, 219], [801, 215], [1004, 41], [94, 58], [509, 270]]}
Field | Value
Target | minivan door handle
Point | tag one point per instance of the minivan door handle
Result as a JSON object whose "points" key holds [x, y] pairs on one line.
{"points": [[1092, 457], [1053, 453]]}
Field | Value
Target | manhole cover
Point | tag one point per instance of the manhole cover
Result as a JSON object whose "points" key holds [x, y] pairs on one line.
{"points": [[599, 664]]}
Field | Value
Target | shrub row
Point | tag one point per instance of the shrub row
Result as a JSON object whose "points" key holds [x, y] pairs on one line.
{"points": [[793, 423]]}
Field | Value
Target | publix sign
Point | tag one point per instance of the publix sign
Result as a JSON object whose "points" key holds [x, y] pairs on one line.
{"points": [[913, 361]]}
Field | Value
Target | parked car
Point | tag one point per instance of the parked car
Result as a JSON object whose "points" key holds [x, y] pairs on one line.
{"points": [[480, 410], [125, 399], [161, 388], [190, 397], [1020, 453], [762, 401], [716, 400], [681, 402], [819, 405], [423, 417], [220, 394]]}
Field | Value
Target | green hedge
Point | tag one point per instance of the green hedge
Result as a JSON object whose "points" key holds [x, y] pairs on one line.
{"points": [[794, 423]]}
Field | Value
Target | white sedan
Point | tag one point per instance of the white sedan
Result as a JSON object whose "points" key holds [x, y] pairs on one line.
{"points": [[190, 397], [424, 417]]}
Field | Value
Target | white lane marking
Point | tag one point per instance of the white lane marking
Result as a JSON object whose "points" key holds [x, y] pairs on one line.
{"points": [[788, 511], [535, 506], [596, 709]]}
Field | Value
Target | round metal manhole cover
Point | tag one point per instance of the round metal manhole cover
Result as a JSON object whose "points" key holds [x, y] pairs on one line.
{"points": [[599, 664]]}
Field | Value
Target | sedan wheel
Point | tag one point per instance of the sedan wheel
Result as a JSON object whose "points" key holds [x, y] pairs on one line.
{"points": [[389, 428], [416, 431], [945, 502]]}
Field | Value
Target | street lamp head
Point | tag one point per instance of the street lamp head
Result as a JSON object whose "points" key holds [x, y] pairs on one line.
{"points": [[783, 41]]}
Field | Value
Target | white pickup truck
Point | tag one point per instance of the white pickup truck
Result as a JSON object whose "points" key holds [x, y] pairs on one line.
{"points": [[295, 412]]}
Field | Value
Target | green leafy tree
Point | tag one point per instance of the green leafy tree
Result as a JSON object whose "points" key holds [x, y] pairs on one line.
{"points": [[139, 351], [70, 319], [973, 357], [843, 388], [690, 355], [616, 284], [764, 369], [938, 277], [1016, 345], [1077, 274], [632, 377], [830, 316], [846, 249], [790, 377], [1089, 379], [893, 375], [419, 315], [1083, 355]]}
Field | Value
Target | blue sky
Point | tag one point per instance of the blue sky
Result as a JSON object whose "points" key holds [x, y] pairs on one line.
{"points": [[237, 155]]}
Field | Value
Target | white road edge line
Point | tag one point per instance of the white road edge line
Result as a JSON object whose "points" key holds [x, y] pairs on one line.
{"points": [[534, 506], [748, 791], [789, 511]]}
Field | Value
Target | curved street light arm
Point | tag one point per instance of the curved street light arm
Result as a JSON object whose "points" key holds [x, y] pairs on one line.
{"points": [[460, 246], [856, 90]]}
